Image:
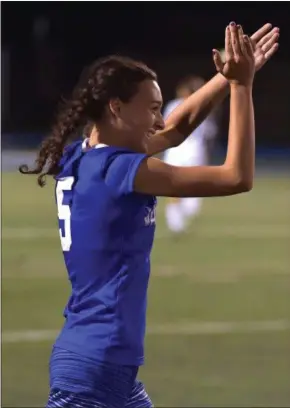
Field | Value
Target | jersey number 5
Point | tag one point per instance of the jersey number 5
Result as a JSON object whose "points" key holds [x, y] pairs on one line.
{"points": [[64, 211]]}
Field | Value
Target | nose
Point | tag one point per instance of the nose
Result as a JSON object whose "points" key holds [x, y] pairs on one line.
{"points": [[160, 123]]}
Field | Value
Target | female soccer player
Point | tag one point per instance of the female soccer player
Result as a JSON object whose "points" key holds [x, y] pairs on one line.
{"points": [[105, 193]]}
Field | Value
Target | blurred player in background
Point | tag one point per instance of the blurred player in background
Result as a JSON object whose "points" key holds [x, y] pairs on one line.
{"points": [[194, 151]]}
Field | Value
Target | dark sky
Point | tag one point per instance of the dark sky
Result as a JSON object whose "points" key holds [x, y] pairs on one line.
{"points": [[184, 31], [155, 27]]}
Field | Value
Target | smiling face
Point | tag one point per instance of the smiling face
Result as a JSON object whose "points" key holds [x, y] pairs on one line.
{"points": [[141, 117]]}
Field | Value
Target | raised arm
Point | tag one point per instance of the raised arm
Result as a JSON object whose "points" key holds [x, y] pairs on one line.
{"points": [[188, 115], [236, 174]]}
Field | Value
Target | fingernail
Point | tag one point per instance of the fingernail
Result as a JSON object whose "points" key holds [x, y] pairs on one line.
{"points": [[238, 26], [232, 23]]}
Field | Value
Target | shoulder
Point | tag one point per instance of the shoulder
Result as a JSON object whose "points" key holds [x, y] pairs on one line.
{"points": [[116, 167], [101, 159]]}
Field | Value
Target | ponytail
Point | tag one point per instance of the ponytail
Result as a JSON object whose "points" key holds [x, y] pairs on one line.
{"points": [[72, 115]]}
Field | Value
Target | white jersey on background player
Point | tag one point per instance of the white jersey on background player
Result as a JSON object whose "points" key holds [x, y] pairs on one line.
{"points": [[194, 151]]}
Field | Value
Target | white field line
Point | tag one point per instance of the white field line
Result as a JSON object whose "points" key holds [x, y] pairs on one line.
{"points": [[176, 329], [206, 275], [240, 231], [269, 231]]}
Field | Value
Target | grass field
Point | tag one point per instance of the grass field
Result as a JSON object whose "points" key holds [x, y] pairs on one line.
{"points": [[219, 303]]}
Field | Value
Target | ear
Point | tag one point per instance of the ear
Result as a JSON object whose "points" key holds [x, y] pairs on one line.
{"points": [[115, 106]]}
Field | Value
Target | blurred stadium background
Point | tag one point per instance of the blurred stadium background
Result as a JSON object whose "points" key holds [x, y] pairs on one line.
{"points": [[219, 304]]}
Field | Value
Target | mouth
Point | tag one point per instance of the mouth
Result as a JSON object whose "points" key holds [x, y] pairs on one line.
{"points": [[150, 133]]}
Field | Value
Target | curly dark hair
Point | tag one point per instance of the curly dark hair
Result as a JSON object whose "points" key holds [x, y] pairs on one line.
{"points": [[107, 78]]}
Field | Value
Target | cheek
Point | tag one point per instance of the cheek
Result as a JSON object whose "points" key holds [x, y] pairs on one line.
{"points": [[141, 119], [147, 119]]}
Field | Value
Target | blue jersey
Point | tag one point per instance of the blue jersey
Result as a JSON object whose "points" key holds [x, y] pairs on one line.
{"points": [[106, 232]]}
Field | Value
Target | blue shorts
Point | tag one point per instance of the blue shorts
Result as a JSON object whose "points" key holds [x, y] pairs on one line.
{"points": [[80, 382]]}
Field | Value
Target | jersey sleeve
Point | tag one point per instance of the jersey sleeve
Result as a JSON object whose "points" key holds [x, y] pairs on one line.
{"points": [[121, 171]]}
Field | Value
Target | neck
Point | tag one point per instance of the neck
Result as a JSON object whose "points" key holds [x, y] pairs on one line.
{"points": [[94, 137], [106, 136]]}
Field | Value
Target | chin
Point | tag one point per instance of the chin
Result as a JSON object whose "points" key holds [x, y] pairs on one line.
{"points": [[141, 143]]}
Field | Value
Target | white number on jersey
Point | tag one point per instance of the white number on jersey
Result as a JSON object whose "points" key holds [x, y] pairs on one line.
{"points": [[64, 211]]}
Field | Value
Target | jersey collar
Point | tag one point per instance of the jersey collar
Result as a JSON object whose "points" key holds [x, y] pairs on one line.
{"points": [[98, 146]]}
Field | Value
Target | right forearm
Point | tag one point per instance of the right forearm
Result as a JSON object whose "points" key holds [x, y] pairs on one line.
{"points": [[241, 143], [188, 115]]}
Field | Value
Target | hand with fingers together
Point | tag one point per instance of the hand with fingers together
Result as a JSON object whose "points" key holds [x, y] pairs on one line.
{"points": [[265, 44], [239, 64]]}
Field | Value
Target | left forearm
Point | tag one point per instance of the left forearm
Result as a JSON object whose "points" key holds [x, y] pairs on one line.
{"points": [[188, 115]]}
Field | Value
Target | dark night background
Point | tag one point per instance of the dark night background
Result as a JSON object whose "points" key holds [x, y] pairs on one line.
{"points": [[175, 38]]}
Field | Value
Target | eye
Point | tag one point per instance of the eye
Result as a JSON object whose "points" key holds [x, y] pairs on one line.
{"points": [[155, 109]]}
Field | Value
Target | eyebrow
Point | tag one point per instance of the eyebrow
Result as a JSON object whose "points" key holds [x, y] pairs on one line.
{"points": [[158, 102]]}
